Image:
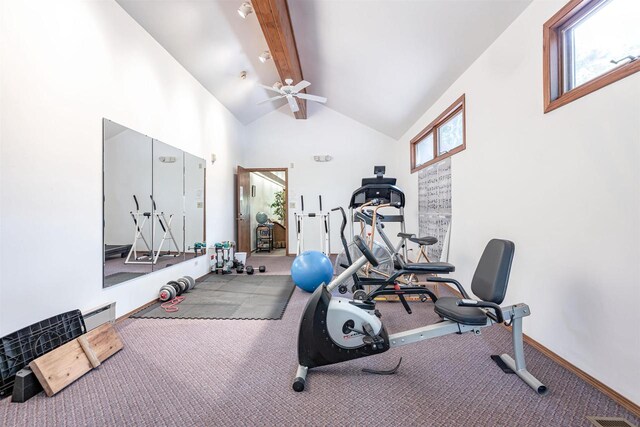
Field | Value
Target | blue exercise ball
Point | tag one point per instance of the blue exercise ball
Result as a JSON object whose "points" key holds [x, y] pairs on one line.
{"points": [[310, 269], [262, 217]]}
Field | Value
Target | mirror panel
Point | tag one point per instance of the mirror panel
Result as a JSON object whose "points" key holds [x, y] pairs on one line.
{"points": [[168, 198], [154, 204], [127, 173], [194, 208]]}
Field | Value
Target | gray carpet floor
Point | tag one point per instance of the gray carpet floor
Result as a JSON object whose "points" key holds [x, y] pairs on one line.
{"points": [[239, 372], [216, 296]]}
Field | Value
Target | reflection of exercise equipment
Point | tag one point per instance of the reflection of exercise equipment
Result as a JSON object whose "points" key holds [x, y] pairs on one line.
{"points": [[334, 330], [113, 250], [198, 247], [140, 220], [325, 239]]}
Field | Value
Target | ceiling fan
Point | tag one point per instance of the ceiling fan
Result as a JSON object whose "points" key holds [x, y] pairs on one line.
{"points": [[288, 91]]}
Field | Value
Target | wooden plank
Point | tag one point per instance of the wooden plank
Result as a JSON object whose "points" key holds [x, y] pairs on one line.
{"points": [[62, 366], [274, 19]]}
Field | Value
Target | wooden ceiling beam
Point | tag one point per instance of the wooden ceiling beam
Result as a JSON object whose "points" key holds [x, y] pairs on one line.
{"points": [[275, 21]]}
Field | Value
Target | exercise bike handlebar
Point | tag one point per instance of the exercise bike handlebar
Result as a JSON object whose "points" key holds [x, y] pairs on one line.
{"points": [[135, 199]]}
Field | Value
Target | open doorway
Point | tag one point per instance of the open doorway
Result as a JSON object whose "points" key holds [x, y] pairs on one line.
{"points": [[262, 211]]}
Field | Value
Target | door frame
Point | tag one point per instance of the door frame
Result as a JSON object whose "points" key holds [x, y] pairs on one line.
{"points": [[286, 198]]}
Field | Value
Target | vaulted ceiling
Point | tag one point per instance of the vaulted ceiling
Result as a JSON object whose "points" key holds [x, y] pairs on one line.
{"points": [[380, 62]]}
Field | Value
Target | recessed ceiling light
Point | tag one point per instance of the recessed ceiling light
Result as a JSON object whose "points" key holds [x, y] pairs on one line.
{"points": [[245, 9], [265, 56]]}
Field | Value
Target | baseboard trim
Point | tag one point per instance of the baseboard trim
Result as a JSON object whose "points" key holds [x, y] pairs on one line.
{"points": [[598, 385], [142, 307]]}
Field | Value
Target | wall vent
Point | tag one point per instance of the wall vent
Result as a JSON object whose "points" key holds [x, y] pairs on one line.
{"points": [[99, 315], [610, 422]]}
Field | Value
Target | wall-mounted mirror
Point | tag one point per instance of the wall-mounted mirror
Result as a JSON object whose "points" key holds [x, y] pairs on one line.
{"points": [[153, 204], [194, 208], [168, 205]]}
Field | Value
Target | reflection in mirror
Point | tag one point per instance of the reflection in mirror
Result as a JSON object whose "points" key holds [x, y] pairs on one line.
{"points": [[128, 237], [168, 205], [194, 178]]}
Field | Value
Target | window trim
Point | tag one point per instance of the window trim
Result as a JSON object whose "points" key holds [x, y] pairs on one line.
{"points": [[553, 58], [455, 108]]}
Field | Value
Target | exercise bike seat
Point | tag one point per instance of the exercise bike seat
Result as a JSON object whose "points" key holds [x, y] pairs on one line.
{"points": [[448, 308], [424, 241], [429, 267]]}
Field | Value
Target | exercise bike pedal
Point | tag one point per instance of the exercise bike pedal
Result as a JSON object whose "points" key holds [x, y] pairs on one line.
{"points": [[383, 372]]}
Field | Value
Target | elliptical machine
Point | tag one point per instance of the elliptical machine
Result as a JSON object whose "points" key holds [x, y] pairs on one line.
{"points": [[335, 329], [387, 286]]}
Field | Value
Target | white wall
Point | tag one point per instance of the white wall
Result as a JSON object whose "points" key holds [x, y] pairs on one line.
{"points": [[279, 140], [564, 187], [65, 66], [265, 191]]}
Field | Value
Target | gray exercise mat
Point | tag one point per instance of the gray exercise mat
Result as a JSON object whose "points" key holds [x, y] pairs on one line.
{"points": [[120, 277], [230, 297]]}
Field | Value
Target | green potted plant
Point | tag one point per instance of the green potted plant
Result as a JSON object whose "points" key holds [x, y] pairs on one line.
{"points": [[278, 206]]}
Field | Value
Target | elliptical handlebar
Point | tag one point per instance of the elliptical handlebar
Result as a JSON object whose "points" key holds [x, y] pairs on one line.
{"points": [[345, 245], [365, 250]]}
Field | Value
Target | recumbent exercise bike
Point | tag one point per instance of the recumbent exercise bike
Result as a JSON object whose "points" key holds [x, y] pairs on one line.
{"points": [[336, 329]]}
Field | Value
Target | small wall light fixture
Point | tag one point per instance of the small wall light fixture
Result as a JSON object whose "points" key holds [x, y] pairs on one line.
{"points": [[245, 10], [322, 158], [243, 75], [264, 56]]}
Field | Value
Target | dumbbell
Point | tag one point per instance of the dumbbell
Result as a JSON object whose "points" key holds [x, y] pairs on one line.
{"points": [[249, 269], [192, 282], [179, 287], [167, 293], [188, 282], [240, 269], [183, 284], [262, 269]]}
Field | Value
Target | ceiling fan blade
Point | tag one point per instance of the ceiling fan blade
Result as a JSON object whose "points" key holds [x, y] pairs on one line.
{"points": [[293, 104], [303, 84], [271, 99], [272, 89], [315, 98]]}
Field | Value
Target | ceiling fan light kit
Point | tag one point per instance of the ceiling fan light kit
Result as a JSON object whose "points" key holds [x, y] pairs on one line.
{"points": [[290, 91]]}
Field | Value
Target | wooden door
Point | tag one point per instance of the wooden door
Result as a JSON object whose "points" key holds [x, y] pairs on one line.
{"points": [[243, 219]]}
